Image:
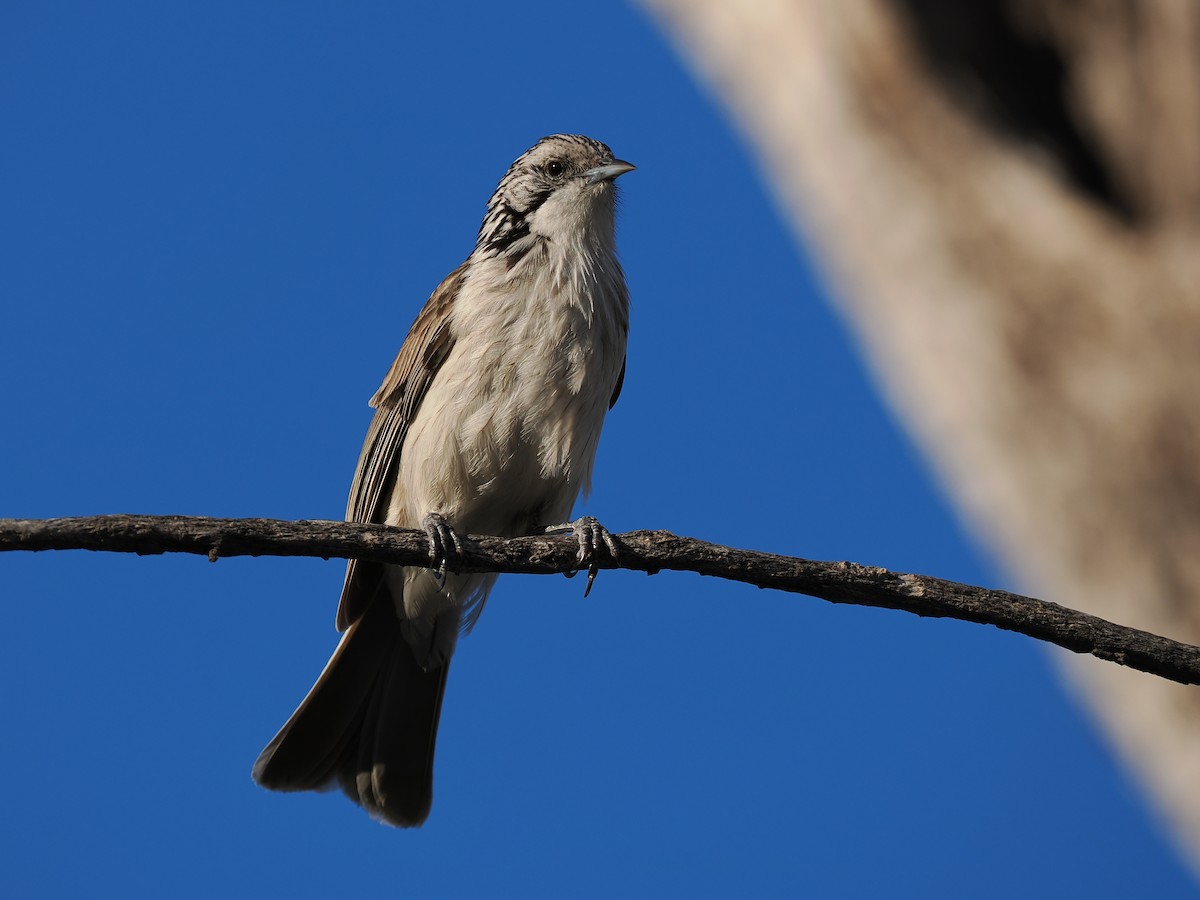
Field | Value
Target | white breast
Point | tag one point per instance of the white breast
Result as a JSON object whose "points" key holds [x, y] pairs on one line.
{"points": [[506, 436]]}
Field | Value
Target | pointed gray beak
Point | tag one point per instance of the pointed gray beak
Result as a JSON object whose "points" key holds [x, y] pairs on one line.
{"points": [[609, 172]]}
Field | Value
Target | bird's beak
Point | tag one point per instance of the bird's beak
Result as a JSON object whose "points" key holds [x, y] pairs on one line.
{"points": [[609, 172]]}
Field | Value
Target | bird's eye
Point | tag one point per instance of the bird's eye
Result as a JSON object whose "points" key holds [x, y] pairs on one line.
{"points": [[555, 168]]}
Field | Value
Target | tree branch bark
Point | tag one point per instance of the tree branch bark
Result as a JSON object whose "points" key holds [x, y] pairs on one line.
{"points": [[644, 551]]}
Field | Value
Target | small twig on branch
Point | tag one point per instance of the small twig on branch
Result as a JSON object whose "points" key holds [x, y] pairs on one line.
{"points": [[645, 551]]}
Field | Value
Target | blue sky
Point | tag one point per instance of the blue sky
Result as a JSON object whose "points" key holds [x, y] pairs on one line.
{"points": [[218, 221]]}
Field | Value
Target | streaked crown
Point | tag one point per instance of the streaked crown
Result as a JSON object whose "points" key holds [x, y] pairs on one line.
{"points": [[569, 171]]}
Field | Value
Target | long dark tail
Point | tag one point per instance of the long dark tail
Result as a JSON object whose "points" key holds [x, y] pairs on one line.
{"points": [[368, 725]]}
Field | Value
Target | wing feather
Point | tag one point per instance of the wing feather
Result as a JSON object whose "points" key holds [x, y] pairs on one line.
{"points": [[620, 381], [396, 403]]}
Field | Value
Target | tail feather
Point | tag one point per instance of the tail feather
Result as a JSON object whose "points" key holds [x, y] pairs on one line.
{"points": [[368, 726], [404, 739]]}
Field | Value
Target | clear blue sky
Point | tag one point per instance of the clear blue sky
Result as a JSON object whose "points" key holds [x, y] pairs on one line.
{"points": [[218, 221]]}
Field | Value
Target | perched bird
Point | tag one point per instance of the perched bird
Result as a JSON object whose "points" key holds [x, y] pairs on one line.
{"points": [[487, 423]]}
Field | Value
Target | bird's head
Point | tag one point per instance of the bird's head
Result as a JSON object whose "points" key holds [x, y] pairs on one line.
{"points": [[560, 190]]}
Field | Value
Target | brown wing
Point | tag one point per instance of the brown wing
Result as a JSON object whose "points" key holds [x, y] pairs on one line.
{"points": [[620, 381], [396, 402]]}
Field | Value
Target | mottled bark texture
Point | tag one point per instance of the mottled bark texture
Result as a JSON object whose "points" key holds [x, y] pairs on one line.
{"points": [[642, 551], [1007, 194]]}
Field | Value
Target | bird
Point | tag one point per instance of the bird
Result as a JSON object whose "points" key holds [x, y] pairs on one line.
{"points": [[486, 423]]}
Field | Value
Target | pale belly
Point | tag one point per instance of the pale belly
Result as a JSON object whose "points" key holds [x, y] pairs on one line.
{"points": [[507, 445], [502, 446]]}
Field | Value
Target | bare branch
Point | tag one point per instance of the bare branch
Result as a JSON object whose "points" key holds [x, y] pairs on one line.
{"points": [[643, 551]]}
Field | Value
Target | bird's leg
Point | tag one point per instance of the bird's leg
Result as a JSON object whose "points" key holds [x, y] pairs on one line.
{"points": [[444, 543], [590, 534]]}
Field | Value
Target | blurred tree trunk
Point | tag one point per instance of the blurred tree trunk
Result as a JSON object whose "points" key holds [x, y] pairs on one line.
{"points": [[1007, 193]]}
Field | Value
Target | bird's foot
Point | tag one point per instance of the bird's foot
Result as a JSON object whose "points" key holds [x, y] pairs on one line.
{"points": [[590, 534], [444, 543]]}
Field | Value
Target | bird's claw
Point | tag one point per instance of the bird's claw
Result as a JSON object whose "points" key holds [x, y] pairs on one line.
{"points": [[590, 534], [444, 543]]}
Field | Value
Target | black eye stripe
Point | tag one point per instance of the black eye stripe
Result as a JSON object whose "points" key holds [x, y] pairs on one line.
{"points": [[537, 200]]}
